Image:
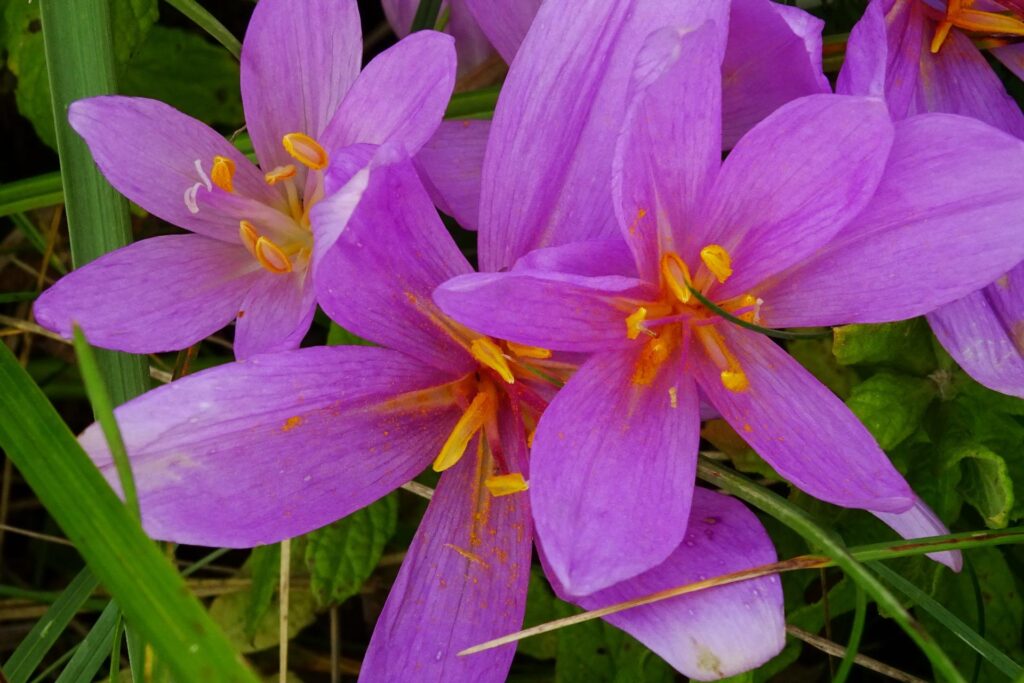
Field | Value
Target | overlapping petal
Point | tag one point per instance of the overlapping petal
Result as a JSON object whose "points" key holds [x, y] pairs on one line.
{"points": [[275, 315], [504, 23], [160, 294], [450, 165], [265, 449]]}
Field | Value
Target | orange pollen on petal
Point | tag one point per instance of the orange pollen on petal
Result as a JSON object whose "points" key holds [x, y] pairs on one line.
{"points": [[655, 352], [247, 233], [676, 276], [222, 172], [525, 351], [272, 257], [506, 484], [732, 375], [306, 150], [471, 422], [718, 261], [490, 354], [280, 173]]}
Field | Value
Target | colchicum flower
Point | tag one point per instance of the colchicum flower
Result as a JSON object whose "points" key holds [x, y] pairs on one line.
{"points": [[824, 213], [919, 58], [248, 256]]}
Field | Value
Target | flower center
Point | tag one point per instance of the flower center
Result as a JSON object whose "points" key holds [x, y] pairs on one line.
{"points": [[960, 14]]}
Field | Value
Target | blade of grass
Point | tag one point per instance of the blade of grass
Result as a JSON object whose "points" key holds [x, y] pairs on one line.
{"points": [[94, 650], [850, 656], [31, 193], [115, 650], [36, 239], [956, 626], [15, 297], [206, 21], [152, 594], [473, 102], [426, 15], [80, 63], [136, 654], [44, 634]]}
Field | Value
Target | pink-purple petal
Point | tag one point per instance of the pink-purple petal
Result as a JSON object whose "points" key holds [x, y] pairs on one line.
{"points": [[1012, 56], [504, 22], [268, 448], [275, 315], [160, 294], [717, 632], [612, 469], [920, 522], [450, 165]]}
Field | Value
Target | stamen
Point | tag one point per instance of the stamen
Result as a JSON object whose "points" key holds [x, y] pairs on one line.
{"points": [[676, 276], [190, 198], [489, 353], [222, 173], [286, 174], [635, 323], [280, 173], [272, 257], [202, 175], [505, 484], [718, 261], [941, 33], [468, 425], [732, 376], [306, 150], [524, 351], [247, 233]]}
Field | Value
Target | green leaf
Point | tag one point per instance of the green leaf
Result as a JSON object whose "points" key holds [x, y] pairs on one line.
{"points": [[339, 336], [95, 649], [891, 406], [194, 11], [984, 481], [342, 555], [905, 345], [231, 611], [816, 355], [264, 567], [189, 73]]}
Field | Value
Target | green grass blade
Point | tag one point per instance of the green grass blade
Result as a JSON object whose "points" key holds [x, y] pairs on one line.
{"points": [[964, 540], [800, 522], [961, 630], [103, 409], [44, 634], [115, 650], [80, 63], [94, 650], [136, 654], [206, 21], [853, 645], [473, 102], [31, 193], [152, 594], [426, 15], [36, 238]]}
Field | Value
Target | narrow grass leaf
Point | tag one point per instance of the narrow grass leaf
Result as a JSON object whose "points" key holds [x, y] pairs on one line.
{"points": [[426, 15], [209, 23], [853, 645], [27, 194], [94, 650]]}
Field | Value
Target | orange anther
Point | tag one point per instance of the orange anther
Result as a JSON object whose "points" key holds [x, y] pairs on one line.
{"points": [[306, 150], [222, 172], [272, 257]]}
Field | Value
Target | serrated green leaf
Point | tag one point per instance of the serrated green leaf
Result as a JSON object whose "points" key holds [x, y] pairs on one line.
{"points": [[264, 568], [541, 607], [342, 555], [230, 612], [187, 72], [905, 345], [891, 406]]}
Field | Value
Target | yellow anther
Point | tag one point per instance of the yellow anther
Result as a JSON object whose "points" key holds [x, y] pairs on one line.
{"points": [[505, 484], [489, 353], [306, 150], [735, 380], [635, 323], [718, 261], [941, 33], [732, 375], [676, 276], [468, 425], [247, 233], [272, 257], [280, 173], [222, 172], [524, 351]]}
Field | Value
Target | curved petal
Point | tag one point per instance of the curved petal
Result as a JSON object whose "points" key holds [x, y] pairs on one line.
{"points": [[504, 23], [920, 522], [275, 315], [475, 51], [773, 56], [676, 105], [268, 448], [867, 50], [792, 183], [612, 469], [463, 581], [450, 165], [382, 261], [160, 294], [596, 258], [984, 332], [550, 310], [153, 154], [801, 428], [1012, 56], [400, 96], [927, 211], [716, 632], [546, 176], [298, 61]]}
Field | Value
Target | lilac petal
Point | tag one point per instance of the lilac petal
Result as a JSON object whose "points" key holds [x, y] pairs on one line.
{"points": [[676, 105], [920, 522], [612, 470], [504, 23], [160, 294], [400, 96], [792, 183], [1012, 56], [984, 332], [400, 15], [720, 631], [547, 172], [153, 154], [595, 258], [298, 61], [268, 448], [275, 315], [882, 266], [801, 428], [867, 53], [773, 56], [547, 309], [463, 581], [450, 165], [382, 262], [475, 51]]}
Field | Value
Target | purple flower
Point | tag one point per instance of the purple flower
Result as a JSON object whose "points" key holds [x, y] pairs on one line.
{"points": [[825, 213], [919, 60], [248, 256]]}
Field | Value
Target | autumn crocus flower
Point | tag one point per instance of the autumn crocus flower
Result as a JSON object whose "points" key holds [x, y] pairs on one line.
{"points": [[825, 213], [247, 258], [921, 60]]}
